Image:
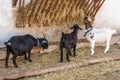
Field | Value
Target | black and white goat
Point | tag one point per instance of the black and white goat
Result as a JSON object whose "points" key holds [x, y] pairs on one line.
{"points": [[93, 34], [69, 41], [21, 45]]}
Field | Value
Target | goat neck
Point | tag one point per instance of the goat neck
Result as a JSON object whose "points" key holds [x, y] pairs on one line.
{"points": [[75, 31]]}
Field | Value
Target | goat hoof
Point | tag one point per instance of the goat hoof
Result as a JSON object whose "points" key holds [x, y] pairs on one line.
{"points": [[16, 66], [92, 53], [68, 60], [61, 61], [30, 60], [25, 58], [70, 54], [7, 66], [75, 55], [105, 51]]}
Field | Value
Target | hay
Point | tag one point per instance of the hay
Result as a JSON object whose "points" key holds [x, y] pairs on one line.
{"points": [[56, 12], [102, 71], [42, 61], [50, 12]]}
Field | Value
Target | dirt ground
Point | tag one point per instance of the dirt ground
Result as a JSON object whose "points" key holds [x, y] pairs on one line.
{"points": [[102, 71]]}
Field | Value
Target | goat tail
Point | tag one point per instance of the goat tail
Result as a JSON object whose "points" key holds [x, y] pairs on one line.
{"points": [[113, 31], [7, 43]]}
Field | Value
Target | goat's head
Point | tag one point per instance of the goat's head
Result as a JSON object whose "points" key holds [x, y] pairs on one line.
{"points": [[76, 27], [87, 22], [87, 18], [42, 42]]}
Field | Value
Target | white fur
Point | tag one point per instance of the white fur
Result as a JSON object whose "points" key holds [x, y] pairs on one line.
{"points": [[44, 41], [99, 35], [9, 43]]}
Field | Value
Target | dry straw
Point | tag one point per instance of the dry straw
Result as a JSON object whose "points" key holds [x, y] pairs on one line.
{"points": [[57, 12]]}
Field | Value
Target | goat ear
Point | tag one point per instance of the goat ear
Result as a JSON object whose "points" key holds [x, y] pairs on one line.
{"points": [[44, 35], [62, 33], [5, 43], [80, 28], [71, 28]]}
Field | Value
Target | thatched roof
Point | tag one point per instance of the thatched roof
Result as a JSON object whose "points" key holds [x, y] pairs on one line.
{"points": [[56, 12]]}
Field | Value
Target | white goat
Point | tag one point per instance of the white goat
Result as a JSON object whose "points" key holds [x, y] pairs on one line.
{"points": [[99, 35]]}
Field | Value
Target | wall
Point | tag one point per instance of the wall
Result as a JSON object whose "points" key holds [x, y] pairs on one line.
{"points": [[109, 15], [6, 21], [8, 28], [7, 24]]}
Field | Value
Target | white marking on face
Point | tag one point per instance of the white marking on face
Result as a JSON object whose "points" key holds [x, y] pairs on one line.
{"points": [[44, 41], [9, 43]]}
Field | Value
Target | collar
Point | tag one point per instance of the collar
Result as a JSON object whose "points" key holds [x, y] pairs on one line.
{"points": [[38, 42], [88, 30]]}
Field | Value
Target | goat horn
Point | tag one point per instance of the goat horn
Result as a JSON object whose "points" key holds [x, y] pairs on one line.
{"points": [[44, 35]]}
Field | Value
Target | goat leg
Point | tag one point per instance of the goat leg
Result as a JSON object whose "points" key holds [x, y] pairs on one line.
{"points": [[25, 57], [74, 51], [67, 56], [92, 44], [61, 55], [14, 61], [107, 45], [7, 57], [70, 53], [29, 56]]}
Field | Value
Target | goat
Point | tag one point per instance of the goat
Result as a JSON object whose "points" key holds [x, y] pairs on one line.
{"points": [[69, 41], [21, 45], [97, 35]]}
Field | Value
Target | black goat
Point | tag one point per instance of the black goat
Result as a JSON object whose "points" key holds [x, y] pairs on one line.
{"points": [[69, 41], [21, 45]]}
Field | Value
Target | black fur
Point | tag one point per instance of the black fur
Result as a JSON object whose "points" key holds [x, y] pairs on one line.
{"points": [[43, 43], [21, 45], [69, 41]]}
